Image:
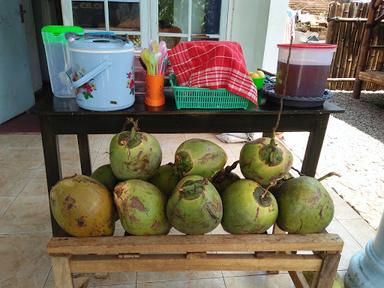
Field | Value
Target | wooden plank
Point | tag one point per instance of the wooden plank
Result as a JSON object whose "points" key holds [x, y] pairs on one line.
{"points": [[328, 271], [346, 19], [62, 272], [213, 262], [298, 279], [193, 243], [376, 77], [341, 79], [364, 50]]}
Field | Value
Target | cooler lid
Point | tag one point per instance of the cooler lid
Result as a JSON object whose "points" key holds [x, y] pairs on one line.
{"points": [[95, 45]]}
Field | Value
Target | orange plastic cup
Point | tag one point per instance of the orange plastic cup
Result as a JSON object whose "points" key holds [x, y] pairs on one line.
{"points": [[155, 90]]}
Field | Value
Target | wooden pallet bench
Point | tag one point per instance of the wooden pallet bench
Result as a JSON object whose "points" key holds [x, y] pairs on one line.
{"points": [[277, 252], [376, 77]]}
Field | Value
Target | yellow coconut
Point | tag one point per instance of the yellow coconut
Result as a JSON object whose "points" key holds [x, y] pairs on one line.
{"points": [[83, 207]]}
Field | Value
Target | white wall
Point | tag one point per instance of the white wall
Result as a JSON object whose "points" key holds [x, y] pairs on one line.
{"points": [[275, 33], [258, 25]]}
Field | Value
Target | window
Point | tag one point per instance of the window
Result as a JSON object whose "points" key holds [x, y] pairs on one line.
{"points": [[169, 20]]}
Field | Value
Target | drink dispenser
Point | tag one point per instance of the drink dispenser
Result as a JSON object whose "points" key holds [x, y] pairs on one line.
{"points": [[309, 67], [56, 52]]}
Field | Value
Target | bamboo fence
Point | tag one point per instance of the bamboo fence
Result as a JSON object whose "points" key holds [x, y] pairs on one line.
{"points": [[345, 28]]}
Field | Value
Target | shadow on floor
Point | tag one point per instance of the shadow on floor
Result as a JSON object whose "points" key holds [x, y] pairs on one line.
{"points": [[365, 114], [26, 122]]}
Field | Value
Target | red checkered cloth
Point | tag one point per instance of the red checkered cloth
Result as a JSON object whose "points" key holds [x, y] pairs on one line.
{"points": [[213, 65]]}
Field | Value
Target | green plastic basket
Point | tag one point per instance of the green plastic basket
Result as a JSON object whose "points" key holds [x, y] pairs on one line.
{"points": [[201, 98]]}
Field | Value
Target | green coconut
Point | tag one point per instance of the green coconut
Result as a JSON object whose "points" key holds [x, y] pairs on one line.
{"points": [[105, 176], [247, 208], [82, 207], [199, 157], [265, 160], [165, 178], [141, 208], [195, 206], [305, 206], [134, 155]]}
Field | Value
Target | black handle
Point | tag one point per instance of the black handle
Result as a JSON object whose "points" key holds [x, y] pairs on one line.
{"points": [[22, 11]]}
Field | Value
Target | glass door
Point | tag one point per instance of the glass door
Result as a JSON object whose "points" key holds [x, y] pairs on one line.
{"points": [[169, 20], [119, 16], [187, 20]]}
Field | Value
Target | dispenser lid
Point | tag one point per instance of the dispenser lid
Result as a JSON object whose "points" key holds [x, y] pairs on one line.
{"points": [[56, 33]]}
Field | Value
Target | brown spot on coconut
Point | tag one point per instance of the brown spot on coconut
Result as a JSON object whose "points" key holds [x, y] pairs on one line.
{"points": [[137, 204], [81, 221], [69, 202]]}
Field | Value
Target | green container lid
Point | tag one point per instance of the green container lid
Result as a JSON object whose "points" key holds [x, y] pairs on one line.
{"points": [[56, 33]]}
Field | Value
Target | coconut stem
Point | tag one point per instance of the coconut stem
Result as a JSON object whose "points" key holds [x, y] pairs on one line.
{"points": [[328, 175], [284, 91], [194, 190], [130, 121], [221, 175], [266, 190], [298, 171]]}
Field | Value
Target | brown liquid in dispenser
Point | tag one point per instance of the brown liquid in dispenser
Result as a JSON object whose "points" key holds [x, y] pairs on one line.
{"points": [[303, 80]]}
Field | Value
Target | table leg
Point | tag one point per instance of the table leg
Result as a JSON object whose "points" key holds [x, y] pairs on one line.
{"points": [[328, 270], [52, 164], [314, 145], [85, 157], [62, 271]]}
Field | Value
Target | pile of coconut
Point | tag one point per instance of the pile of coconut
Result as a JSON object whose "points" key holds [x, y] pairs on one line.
{"points": [[194, 194]]}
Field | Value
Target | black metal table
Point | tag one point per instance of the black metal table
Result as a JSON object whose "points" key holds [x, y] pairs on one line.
{"points": [[63, 116]]}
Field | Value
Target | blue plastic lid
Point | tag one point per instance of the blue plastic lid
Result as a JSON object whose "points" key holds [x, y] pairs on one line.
{"points": [[100, 44]]}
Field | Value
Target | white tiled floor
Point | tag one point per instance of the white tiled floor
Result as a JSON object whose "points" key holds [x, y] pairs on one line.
{"points": [[25, 224]]}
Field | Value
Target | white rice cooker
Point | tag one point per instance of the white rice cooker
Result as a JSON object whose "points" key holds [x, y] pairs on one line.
{"points": [[102, 73]]}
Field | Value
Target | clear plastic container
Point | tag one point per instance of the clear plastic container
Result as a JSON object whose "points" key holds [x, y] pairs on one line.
{"points": [[55, 45], [309, 67]]}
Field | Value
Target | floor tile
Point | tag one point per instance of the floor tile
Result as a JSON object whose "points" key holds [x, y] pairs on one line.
{"points": [[21, 141], [116, 286], [24, 261], [200, 283], [13, 180], [101, 158], [342, 209], [29, 214], [26, 159], [260, 281], [119, 230], [144, 277], [70, 169], [351, 246], [5, 202], [242, 273], [37, 186], [126, 278], [360, 230], [78, 280]]}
